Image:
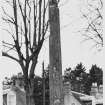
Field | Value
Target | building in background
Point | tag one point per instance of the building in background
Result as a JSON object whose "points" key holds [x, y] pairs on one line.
{"points": [[76, 98], [14, 94]]}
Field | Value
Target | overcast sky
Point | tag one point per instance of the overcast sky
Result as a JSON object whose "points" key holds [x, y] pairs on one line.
{"points": [[73, 51]]}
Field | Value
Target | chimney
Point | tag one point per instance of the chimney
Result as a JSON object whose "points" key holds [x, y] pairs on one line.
{"points": [[94, 89], [67, 87], [19, 82]]}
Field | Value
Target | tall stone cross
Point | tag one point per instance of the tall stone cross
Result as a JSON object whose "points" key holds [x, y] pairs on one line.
{"points": [[55, 72]]}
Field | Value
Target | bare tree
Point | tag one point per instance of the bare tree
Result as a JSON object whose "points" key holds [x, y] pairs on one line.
{"points": [[28, 26], [94, 18]]}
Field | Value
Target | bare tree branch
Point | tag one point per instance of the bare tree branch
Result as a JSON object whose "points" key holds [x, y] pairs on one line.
{"points": [[94, 27], [9, 56], [39, 33], [28, 26], [7, 15]]}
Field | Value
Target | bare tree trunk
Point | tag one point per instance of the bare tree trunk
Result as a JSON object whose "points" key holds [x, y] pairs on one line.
{"points": [[32, 100], [29, 89], [43, 76], [29, 96]]}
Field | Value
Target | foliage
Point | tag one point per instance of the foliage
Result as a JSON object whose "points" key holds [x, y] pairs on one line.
{"points": [[87, 85], [96, 74], [80, 80], [77, 77], [79, 69], [7, 81]]}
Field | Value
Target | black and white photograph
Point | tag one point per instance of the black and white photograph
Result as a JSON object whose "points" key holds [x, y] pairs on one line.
{"points": [[52, 52]]}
